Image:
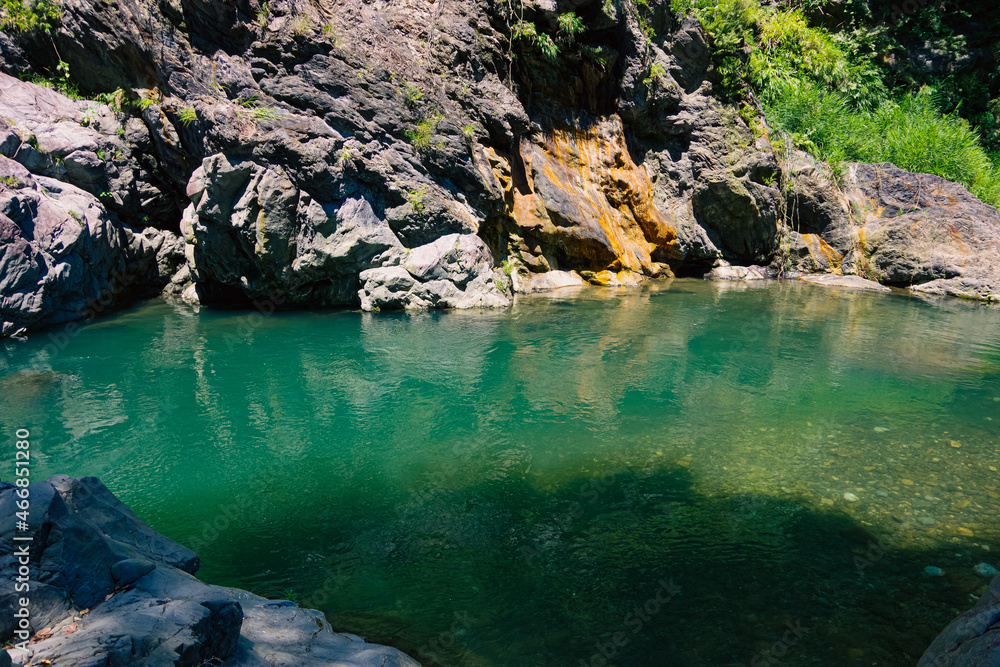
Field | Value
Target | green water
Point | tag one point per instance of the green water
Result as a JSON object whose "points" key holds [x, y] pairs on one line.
{"points": [[506, 488]]}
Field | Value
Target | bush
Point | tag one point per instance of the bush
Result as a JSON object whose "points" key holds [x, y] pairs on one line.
{"points": [[911, 133], [41, 15], [828, 91]]}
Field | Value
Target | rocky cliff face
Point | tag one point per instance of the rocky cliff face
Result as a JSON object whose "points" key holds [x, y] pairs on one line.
{"points": [[105, 589], [411, 154]]}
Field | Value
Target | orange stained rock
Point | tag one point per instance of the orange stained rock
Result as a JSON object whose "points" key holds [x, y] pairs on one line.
{"points": [[821, 250], [584, 193]]}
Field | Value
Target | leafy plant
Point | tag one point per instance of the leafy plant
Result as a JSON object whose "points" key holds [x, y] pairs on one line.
{"points": [[910, 133], [570, 24], [11, 181], [300, 25], [413, 94], [526, 31], [655, 70], [416, 198], [469, 132], [420, 137], [264, 113], [291, 595], [508, 266], [187, 115], [263, 13], [41, 15]]}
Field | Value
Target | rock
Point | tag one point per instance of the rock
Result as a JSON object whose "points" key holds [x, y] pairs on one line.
{"points": [[453, 272], [86, 144], [89, 551], [850, 497], [64, 257], [550, 280], [926, 520], [985, 570], [314, 148], [726, 272], [849, 282], [932, 571], [969, 640], [926, 233]]}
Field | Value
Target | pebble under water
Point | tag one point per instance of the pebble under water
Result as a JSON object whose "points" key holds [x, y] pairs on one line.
{"points": [[683, 474]]}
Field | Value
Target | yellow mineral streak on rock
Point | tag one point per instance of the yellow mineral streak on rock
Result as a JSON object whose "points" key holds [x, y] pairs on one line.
{"points": [[822, 251], [583, 193]]}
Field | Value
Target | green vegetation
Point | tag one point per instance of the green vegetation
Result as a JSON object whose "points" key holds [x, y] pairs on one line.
{"points": [[420, 137], [416, 198], [42, 15], [11, 181], [825, 85], [187, 115], [527, 32], [570, 24], [910, 133], [413, 94], [508, 266], [656, 70]]}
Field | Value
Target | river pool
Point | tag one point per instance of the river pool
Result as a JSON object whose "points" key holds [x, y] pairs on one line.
{"points": [[687, 473]]}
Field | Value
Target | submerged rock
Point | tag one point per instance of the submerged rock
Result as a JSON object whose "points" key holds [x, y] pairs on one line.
{"points": [[111, 591]]}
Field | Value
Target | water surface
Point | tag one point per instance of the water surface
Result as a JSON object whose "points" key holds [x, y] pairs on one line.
{"points": [[664, 466]]}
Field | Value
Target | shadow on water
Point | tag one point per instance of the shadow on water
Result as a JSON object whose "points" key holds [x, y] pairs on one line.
{"points": [[625, 569]]}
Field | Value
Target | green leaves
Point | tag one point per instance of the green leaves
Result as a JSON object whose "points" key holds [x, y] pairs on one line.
{"points": [[42, 15]]}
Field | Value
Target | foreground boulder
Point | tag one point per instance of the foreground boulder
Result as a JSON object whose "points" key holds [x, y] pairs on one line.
{"points": [[972, 639], [108, 590]]}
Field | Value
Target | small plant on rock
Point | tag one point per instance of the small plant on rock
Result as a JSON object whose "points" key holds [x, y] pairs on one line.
{"points": [[421, 136], [570, 24], [416, 198], [187, 116]]}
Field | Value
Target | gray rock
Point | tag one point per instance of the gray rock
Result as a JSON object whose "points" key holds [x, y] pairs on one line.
{"points": [[985, 570], [114, 592], [849, 282], [926, 233], [971, 639], [727, 272], [63, 257], [453, 272]]}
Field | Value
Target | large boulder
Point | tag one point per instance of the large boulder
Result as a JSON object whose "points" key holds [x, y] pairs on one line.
{"points": [[63, 257], [106, 589], [453, 272], [252, 230], [85, 143], [972, 639], [924, 232]]}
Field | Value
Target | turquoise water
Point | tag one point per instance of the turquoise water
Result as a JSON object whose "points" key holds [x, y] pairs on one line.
{"points": [[529, 487]]}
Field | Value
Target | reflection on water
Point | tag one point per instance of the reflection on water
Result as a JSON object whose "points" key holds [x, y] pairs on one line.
{"points": [[520, 488]]}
